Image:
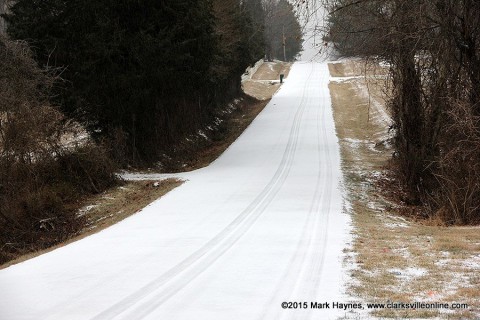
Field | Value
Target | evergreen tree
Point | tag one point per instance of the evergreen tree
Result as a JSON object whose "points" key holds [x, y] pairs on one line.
{"points": [[138, 67]]}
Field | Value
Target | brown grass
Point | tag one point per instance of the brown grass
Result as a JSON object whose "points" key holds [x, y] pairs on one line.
{"points": [[272, 70], [356, 68], [264, 82], [396, 259], [120, 203]]}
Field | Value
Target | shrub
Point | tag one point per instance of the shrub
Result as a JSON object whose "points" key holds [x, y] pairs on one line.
{"points": [[41, 178]]}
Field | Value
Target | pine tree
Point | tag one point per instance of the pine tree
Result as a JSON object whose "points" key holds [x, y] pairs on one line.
{"points": [[139, 67]]}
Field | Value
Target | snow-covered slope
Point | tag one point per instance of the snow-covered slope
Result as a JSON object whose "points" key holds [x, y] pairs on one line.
{"points": [[261, 225]]}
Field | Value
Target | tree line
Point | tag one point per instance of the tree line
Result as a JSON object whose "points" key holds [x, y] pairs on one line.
{"points": [[144, 73], [433, 49], [139, 76]]}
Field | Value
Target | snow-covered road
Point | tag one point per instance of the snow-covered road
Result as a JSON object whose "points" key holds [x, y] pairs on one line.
{"points": [[261, 225]]}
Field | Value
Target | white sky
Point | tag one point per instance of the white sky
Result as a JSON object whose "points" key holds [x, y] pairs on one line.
{"points": [[313, 19]]}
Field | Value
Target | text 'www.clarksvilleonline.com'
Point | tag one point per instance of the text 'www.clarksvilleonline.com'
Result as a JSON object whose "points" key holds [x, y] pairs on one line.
{"points": [[373, 306]]}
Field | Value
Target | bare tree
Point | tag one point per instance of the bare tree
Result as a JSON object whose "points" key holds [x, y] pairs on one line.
{"points": [[433, 47], [283, 32], [4, 5]]}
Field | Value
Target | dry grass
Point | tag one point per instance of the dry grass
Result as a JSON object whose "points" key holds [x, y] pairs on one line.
{"points": [[111, 207], [265, 82], [117, 204], [272, 70], [356, 68], [395, 259]]}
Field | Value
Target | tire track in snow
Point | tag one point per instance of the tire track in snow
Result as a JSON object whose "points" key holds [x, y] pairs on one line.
{"points": [[309, 264], [311, 277], [151, 296]]}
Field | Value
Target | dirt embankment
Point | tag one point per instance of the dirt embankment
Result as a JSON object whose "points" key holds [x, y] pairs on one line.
{"points": [[393, 258]]}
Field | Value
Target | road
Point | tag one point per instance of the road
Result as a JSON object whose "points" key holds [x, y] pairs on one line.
{"points": [[261, 225]]}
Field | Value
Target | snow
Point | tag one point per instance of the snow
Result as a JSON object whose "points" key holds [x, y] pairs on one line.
{"points": [[313, 18], [261, 225], [251, 70], [473, 263], [409, 273], [83, 211], [202, 134], [378, 107], [345, 79], [396, 225]]}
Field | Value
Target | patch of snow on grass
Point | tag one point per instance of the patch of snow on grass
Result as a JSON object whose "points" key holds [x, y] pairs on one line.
{"points": [[251, 70], [345, 79], [395, 222], [384, 64], [456, 281], [395, 225], [218, 121], [85, 210], [355, 143], [404, 252], [473, 263], [442, 262], [363, 92], [106, 217], [408, 273], [201, 133]]}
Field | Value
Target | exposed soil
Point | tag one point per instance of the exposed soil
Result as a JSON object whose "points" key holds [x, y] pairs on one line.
{"points": [[393, 258]]}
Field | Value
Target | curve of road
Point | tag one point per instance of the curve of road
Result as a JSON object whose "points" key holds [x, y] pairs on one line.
{"points": [[261, 225]]}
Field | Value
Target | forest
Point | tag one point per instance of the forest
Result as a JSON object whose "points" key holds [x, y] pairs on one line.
{"points": [[136, 76], [432, 48]]}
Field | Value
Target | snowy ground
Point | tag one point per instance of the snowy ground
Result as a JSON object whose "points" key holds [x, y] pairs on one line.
{"points": [[261, 225]]}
